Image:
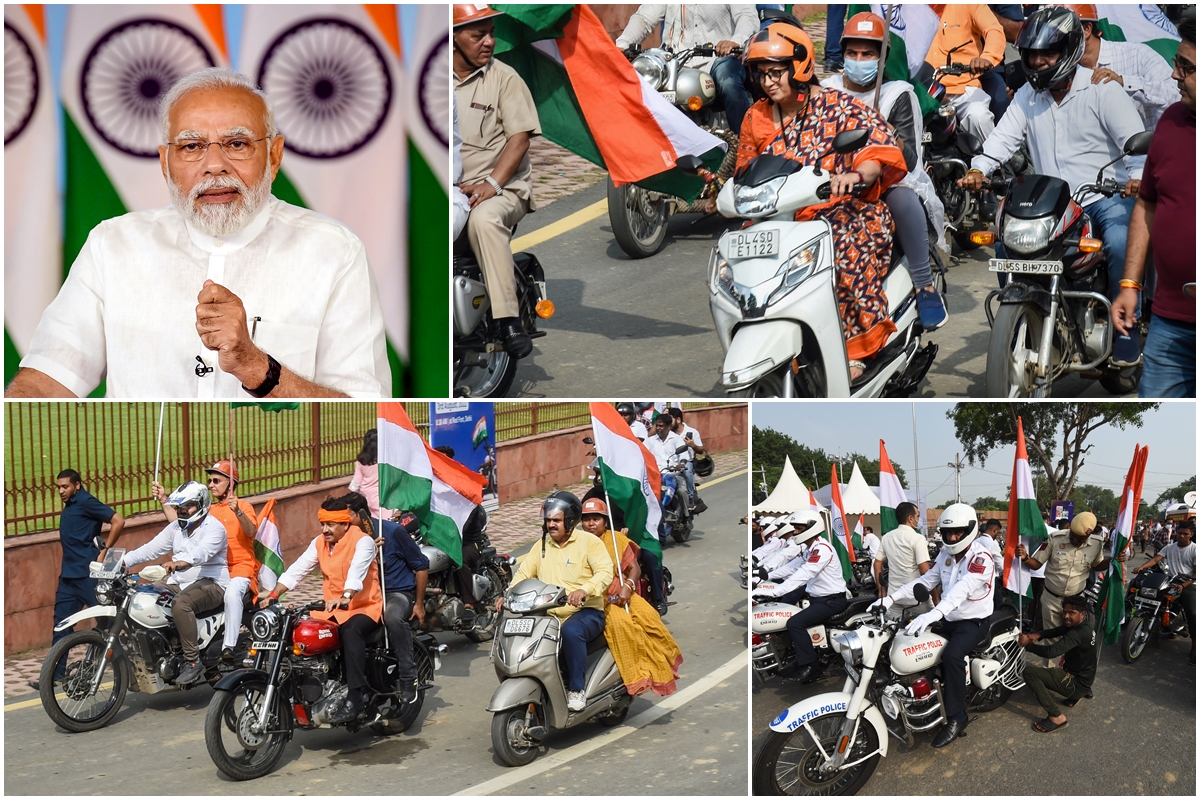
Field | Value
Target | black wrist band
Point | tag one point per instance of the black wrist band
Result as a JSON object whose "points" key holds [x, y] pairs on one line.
{"points": [[269, 383]]}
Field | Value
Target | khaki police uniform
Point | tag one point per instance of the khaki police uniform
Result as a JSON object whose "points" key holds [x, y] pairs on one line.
{"points": [[494, 105]]}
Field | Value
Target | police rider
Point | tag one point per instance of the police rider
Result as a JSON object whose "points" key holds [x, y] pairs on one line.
{"points": [[965, 571]]}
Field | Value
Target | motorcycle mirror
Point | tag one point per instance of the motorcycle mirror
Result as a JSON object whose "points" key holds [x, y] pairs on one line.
{"points": [[690, 164], [848, 141], [1138, 144], [99, 543], [588, 440], [920, 593], [683, 448]]}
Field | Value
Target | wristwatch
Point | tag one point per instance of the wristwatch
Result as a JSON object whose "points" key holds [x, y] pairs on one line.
{"points": [[346, 595], [270, 382], [492, 182]]}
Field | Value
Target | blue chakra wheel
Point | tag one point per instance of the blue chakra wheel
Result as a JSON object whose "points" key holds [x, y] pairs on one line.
{"points": [[435, 91], [330, 85], [126, 74], [21, 83]]}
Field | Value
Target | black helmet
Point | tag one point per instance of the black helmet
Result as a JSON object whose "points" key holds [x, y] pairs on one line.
{"points": [[568, 504], [626, 410], [1055, 29]]}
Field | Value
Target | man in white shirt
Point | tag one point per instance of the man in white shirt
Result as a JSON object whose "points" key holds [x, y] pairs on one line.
{"points": [[691, 437], [230, 293], [871, 542], [665, 443], [198, 566], [1180, 556], [628, 413], [907, 556]]}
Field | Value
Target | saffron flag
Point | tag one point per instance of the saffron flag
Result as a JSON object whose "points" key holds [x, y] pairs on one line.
{"points": [[891, 493], [1024, 519], [630, 475], [267, 548], [414, 477], [839, 537], [591, 101], [1112, 592]]}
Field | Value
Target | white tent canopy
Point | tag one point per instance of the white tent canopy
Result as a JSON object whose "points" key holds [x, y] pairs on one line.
{"points": [[790, 494], [857, 497]]}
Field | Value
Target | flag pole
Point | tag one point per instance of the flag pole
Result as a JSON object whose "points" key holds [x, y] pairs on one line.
{"points": [[612, 528], [162, 408], [883, 54]]}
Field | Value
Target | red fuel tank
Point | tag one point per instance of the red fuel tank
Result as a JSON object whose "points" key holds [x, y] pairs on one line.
{"points": [[316, 636]]}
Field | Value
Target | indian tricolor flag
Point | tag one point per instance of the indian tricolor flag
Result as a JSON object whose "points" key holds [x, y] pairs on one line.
{"points": [[414, 477], [591, 101], [913, 26], [891, 493], [858, 532], [1113, 590], [1024, 519], [32, 211], [630, 475], [1144, 23], [267, 548], [839, 537]]}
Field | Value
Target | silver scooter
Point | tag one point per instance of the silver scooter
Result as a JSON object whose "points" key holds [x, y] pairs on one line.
{"points": [[531, 699]]}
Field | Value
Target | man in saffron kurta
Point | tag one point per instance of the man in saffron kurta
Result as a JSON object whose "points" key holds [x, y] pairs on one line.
{"points": [[346, 556]]}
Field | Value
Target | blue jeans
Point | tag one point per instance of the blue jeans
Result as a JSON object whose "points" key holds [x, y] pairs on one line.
{"points": [[1111, 215], [835, 23], [689, 477], [1170, 359], [579, 629], [73, 595], [993, 83], [730, 75]]}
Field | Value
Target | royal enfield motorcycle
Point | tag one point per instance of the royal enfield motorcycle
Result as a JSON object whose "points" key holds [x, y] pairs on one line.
{"points": [[444, 607], [531, 700], [86, 674], [1053, 316], [831, 743], [298, 680], [1154, 610]]}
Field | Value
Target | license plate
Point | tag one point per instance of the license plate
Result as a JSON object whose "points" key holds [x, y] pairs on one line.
{"points": [[1027, 267], [520, 626], [926, 137], [753, 244], [265, 645]]}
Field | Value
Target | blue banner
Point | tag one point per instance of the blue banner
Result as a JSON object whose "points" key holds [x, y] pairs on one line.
{"points": [[1061, 509], [469, 430]]}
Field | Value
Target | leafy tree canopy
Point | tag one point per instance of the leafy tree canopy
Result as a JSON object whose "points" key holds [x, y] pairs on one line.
{"points": [[1176, 495]]}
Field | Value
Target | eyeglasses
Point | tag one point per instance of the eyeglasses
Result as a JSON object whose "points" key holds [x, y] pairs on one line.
{"points": [[772, 75], [235, 148], [1183, 67]]}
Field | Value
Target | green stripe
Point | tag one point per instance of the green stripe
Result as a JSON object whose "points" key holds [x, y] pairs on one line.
{"points": [[887, 520], [626, 494], [1029, 520], [525, 24], [428, 289], [89, 197], [12, 359], [283, 188], [839, 547], [1164, 47], [401, 490], [1113, 594], [269, 558]]}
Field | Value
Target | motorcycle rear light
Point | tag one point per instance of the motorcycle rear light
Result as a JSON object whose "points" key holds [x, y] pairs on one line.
{"points": [[756, 640], [921, 688], [983, 237], [1089, 245], [545, 309], [301, 714]]}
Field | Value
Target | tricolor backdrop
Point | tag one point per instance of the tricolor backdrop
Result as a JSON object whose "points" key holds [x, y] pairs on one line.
{"points": [[361, 97]]}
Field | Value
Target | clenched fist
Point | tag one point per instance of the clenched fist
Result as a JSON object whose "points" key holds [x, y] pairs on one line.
{"points": [[221, 323]]}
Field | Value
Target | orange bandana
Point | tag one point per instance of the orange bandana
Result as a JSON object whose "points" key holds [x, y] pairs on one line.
{"points": [[334, 516]]}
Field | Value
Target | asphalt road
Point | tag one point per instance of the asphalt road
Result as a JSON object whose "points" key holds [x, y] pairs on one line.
{"points": [[643, 325], [691, 743], [1136, 737]]}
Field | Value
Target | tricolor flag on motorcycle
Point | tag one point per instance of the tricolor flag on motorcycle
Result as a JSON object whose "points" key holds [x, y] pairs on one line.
{"points": [[591, 101], [839, 537], [891, 493], [1113, 590], [913, 26], [267, 548], [630, 475], [1024, 519], [414, 477], [1144, 23]]}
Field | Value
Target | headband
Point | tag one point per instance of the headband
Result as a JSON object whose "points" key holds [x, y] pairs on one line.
{"points": [[334, 516]]}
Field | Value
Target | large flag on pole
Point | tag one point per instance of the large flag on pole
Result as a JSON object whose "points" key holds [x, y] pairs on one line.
{"points": [[891, 493], [913, 26], [1113, 590], [839, 537], [267, 548], [333, 74], [1144, 23], [630, 475], [414, 477], [32, 244], [1024, 519], [565, 56], [858, 533]]}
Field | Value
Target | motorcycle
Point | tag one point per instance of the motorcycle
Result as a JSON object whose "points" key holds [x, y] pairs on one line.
{"points": [[639, 216], [1054, 314], [773, 296], [831, 743], [771, 649], [138, 649], [531, 699], [482, 367], [444, 608], [1153, 609], [298, 679], [677, 515]]}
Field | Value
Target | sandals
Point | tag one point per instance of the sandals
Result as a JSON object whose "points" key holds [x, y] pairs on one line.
{"points": [[1048, 726]]}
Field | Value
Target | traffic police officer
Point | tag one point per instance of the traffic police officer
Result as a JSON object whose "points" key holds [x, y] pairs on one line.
{"points": [[965, 571]]}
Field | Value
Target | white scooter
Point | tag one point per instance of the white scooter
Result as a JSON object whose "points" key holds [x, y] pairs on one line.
{"points": [[773, 292]]}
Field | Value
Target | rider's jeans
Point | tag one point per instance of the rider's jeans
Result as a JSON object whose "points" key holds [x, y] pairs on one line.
{"points": [[353, 633], [689, 477], [399, 609], [730, 76], [1111, 215], [580, 628], [652, 564], [912, 232], [1170, 359]]}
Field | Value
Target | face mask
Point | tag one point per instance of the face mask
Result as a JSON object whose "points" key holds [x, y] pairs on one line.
{"points": [[861, 72]]}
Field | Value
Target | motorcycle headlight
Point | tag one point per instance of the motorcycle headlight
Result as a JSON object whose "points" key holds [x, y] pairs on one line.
{"points": [[652, 69], [104, 593], [757, 201], [264, 624], [850, 646], [800, 265], [1026, 235]]}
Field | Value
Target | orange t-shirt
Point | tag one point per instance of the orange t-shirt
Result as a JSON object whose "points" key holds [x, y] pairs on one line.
{"points": [[974, 25], [334, 567], [240, 556]]}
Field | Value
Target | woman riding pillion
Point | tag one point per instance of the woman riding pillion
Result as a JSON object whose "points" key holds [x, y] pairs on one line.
{"points": [[799, 120]]}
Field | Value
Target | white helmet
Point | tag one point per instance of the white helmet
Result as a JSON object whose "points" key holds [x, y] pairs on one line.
{"points": [[958, 520], [812, 520], [190, 501]]}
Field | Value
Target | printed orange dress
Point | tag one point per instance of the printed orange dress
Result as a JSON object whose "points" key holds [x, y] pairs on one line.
{"points": [[862, 227], [646, 654]]}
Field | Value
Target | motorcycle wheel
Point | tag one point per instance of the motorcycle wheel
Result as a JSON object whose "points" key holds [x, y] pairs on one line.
{"points": [[788, 762], [493, 379], [1122, 381], [485, 620], [615, 717], [991, 698], [1016, 337], [397, 717], [1134, 638], [682, 531], [505, 727], [67, 701], [639, 224], [236, 751]]}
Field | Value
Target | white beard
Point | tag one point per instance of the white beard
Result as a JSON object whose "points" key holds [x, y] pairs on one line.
{"points": [[221, 219]]}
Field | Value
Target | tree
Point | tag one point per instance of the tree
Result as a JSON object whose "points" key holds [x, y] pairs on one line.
{"points": [[1104, 503], [990, 504], [771, 446], [1176, 495], [1055, 435]]}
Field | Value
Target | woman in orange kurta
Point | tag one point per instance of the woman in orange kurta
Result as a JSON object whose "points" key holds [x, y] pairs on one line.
{"points": [[799, 121]]}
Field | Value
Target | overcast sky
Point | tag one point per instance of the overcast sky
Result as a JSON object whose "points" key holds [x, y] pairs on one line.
{"points": [[858, 426]]}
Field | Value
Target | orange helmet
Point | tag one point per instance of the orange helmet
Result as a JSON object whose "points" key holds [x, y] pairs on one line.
{"points": [[1085, 11], [594, 505], [466, 14], [779, 43], [867, 26], [225, 469]]}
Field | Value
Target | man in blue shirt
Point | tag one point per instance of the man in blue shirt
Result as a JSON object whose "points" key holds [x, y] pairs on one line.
{"points": [[79, 525], [405, 570]]}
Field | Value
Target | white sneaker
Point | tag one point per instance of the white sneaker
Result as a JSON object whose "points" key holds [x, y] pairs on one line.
{"points": [[576, 701]]}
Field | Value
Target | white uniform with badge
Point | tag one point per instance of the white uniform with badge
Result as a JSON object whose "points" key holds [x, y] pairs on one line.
{"points": [[820, 572], [966, 584]]}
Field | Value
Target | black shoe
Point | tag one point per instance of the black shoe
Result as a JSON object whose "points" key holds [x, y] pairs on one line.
{"points": [[806, 674], [36, 685], [408, 694], [833, 65], [700, 506], [227, 655], [661, 608], [1089, 694], [346, 712], [192, 672], [516, 342], [949, 732]]}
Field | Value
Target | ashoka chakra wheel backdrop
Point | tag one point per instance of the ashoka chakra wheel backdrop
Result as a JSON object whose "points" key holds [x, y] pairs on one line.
{"points": [[330, 86], [20, 83], [128, 71], [435, 91]]}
